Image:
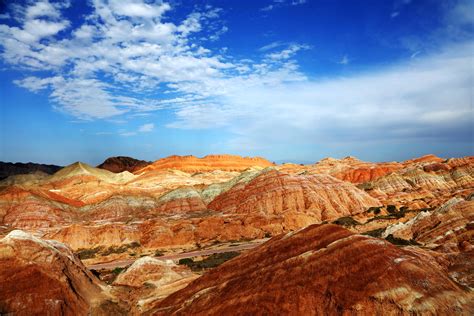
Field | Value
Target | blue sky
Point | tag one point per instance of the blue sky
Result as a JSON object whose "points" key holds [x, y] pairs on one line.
{"points": [[290, 80]]}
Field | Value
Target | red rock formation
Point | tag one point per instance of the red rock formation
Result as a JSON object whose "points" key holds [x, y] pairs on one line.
{"points": [[207, 163], [121, 163], [424, 159], [276, 193], [364, 174], [80, 236], [348, 169], [40, 277], [324, 270], [447, 228], [22, 208], [429, 183]]}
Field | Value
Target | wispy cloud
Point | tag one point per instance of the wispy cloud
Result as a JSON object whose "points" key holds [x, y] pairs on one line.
{"points": [[427, 97], [122, 47], [145, 128], [282, 3], [344, 60], [127, 52], [271, 46], [288, 52], [398, 6]]}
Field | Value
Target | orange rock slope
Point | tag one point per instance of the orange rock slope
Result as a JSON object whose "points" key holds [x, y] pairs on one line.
{"points": [[207, 163], [40, 277], [266, 202], [324, 270], [276, 193]]}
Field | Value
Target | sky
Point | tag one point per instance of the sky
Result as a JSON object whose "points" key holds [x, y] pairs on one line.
{"points": [[289, 80]]}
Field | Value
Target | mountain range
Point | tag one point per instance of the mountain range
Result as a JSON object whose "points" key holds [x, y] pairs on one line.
{"points": [[138, 237]]}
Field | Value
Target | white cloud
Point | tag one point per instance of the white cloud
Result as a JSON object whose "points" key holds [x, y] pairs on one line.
{"points": [[127, 134], [138, 8], [145, 128], [462, 13], [270, 46], [344, 60], [267, 8], [282, 3], [97, 69], [42, 9], [426, 97], [287, 53], [122, 47]]}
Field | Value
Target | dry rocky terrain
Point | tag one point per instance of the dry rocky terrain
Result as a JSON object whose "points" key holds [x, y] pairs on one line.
{"points": [[390, 238]]}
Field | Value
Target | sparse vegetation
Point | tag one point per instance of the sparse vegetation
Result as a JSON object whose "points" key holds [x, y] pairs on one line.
{"points": [[88, 253], [117, 270], [366, 186], [374, 209], [186, 261], [393, 213], [375, 233], [159, 253], [94, 252], [400, 241], [268, 235], [212, 261], [346, 221], [391, 209]]}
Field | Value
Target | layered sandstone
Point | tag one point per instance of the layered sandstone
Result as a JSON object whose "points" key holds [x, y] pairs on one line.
{"points": [[208, 163], [34, 209], [448, 228], [324, 269], [149, 280], [427, 185], [354, 170], [44, 277], [321, 197]]}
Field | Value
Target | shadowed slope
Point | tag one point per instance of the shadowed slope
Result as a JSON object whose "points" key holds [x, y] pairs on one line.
{"points": [[121, 163], [9, 169]]}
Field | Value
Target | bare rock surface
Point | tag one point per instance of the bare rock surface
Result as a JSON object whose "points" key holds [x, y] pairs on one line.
{"points": [[321, 270]]}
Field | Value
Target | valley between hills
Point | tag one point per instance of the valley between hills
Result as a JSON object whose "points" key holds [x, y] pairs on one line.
{"points": [[226, 235]]}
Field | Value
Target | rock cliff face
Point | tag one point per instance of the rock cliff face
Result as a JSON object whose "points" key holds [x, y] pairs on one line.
{"points": [[277, 193], [208, 163], [44, 277], [121, 163], [324, 270]]}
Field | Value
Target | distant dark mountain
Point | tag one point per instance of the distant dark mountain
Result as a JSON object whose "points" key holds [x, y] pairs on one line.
{"points": [[9, 169], [121, 163]]}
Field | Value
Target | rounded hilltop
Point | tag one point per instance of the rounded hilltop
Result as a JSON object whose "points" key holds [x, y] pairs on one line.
{"points": [[123, 163], [189, 163]]}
